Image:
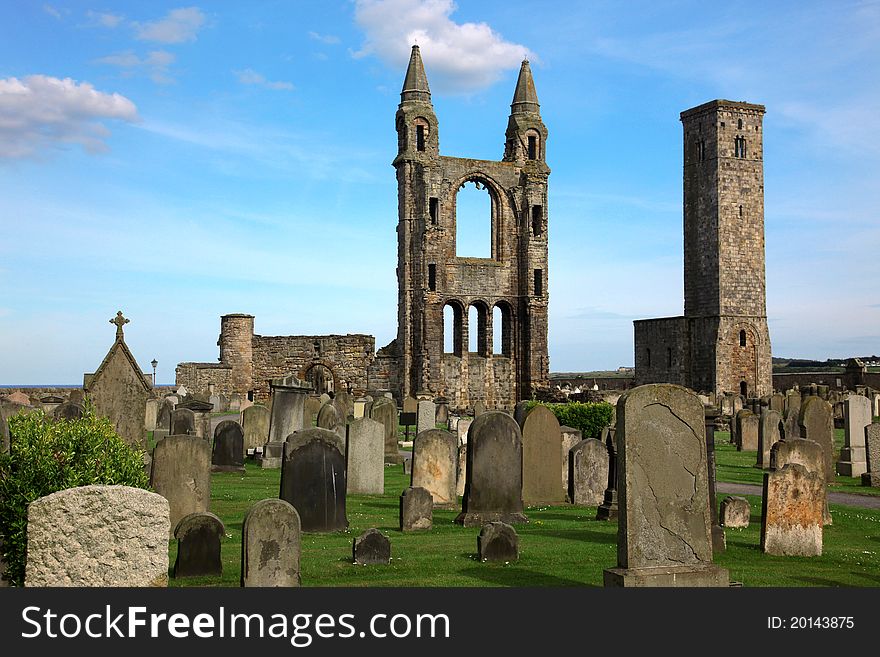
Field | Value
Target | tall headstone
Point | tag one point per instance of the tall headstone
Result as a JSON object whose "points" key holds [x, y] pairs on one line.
{"points": [[791, 516], [463, 427], [311, 406], [817, 424], [588, 472], [768, 435], [777, 402], [746, 431], [344, 404], [183, 422], [461, 470], [255, 423], [493, 490], [228, 451], [542, 458], [385, 411], [313, 479], [163, 415], [856, 416], [198, 545], [442, 416], [872, 448], [664, 528], [435, 457], [181, 473], [365, 456], [270, 545], [426, 419], [151, 413], [807, 453], [570, 438], [416, 510], [288, 398]]}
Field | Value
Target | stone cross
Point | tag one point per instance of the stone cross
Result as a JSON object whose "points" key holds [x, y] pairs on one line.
{"points": [[120, 321]]}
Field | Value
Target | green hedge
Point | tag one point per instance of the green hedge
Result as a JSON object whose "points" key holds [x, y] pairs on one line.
{"points": [[589, 417], [46, 457]]}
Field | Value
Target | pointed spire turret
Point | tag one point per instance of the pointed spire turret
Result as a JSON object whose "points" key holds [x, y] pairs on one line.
{"points": [[415, 85], [525, 98]]}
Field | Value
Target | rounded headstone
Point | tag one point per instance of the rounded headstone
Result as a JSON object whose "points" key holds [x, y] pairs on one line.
{"points": [[497, 541], [371, 548], [198, 545], [271, 545]]}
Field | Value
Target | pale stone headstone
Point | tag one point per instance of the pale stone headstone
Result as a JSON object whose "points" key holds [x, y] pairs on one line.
{"points": [[183, 422], [793, 401], [270, 545], [324, 398], [817, 424], [461, 470], [385, 411], [497, 541], [407, 465], [365, 454], [344, 404], [68, 411], [768, 435], [463, 426], [371, 548], [856, 416], [664, 536], [313, 479], [98, 536], [777, 402], [151, 414], [410, 404], [588, 472], [255, 423], [735, 512], [359, 405], [181, 473], [493, 490], [228, 451], [311, 406], [435, 464], [288, 399], [329, 418], [872, 448], [803, 452], [198, 545], [542, 458], [570, 438], [479, 408], [791, 518], [746, 431], [427, 413], [416, 510]]}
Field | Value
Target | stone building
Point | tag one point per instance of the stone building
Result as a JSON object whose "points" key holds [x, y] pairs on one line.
{"points": [[722, 343]]}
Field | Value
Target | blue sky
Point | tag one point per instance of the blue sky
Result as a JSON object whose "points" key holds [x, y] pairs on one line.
{"points": [[180, 162]]}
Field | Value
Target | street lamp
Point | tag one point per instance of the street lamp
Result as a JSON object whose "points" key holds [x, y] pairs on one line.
{"points": [[154, 362]]}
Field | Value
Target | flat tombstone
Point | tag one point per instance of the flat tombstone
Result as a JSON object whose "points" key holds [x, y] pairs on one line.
{"points": [[385, 411], [427, 414], [856, 416], [664, 536], [542, 458], [416, 510], [371, 548], [98, 536], [410, 404], [872, 442], [493, 490], [228, 452], [746, 431], [791, 519], [198, 545], [270, 545], [365, 456], [183, 422], [181, 473], [817, 424], [479, 408], [255, 423], [68, 411], [588, 472], [497, 541], [570, 438], [768, 435], [435, 465], [313, 479], [735, 512]]}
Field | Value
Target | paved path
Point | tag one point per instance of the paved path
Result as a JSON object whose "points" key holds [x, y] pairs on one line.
{"points": [[847, 499]]}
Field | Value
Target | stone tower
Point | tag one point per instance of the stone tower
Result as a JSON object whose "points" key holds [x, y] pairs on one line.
{"points": [[431, 276], [236, 344]]}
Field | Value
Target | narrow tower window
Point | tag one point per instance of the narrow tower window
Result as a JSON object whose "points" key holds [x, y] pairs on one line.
{"points": [[742, 338], [739, 147], [537, 220], [744, 388], [740, 212], [539, 283], [432, 277], [739, 124], [701, 150], [533, 147], [434, 210], [668, 356], [648, 357], [420, 137]]}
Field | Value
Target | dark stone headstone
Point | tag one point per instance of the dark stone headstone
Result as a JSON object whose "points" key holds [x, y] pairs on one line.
{"points": [[608, 510], [68, 411], [497, 541], [181, 473], [816, 424], [371, 547], [198, 545], [416, 510], [228, 452], [183, 422], [163, 415], [270, 545], [313, 479]]}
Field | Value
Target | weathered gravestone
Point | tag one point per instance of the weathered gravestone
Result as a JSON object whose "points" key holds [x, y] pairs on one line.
{"points": [[479, 408], [542, 458], [198, 545], [497, 541], [270, 545], [856, 416], [791, 515], [735, 512], [407, 465], [98, 536], [416, 510], [427, 413], [777, 402], [385, 411], [802, 452], [311, 406], [817, 424], [442, 415], [68, 411], [328, 418], [746, 431], [493, 490], [872, 443], [664, 536], [313, 479], [288, 399], [570, 438], [520, 411], [434, 468], [371, 548], [201, 416], [163, 415], [365, 456], [609, 509], [463, 427], [181, 473], [768, 435], [588, 472], [255, 423], [151, 413], [228, 452], [410, 404], [183, 422], [461, 470], [344, 404]]}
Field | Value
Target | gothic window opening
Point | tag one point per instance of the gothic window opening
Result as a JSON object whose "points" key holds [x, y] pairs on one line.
{"points": [[432, 277], [739, 147], [533, 147], [740, 212], [478, 336], [701, 150], [502, 330], [434, 210], [420, 137], [537, 220], [744, 388], [742, 338], [474, 210], [452, 329], [648, 357], [668, 356], [539, 283]]}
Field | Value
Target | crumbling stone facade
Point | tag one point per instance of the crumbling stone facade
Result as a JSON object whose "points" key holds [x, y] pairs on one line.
{"points": [[722, 343]]}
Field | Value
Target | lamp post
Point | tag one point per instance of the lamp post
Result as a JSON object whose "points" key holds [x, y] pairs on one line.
{"points": [[154, 362]]}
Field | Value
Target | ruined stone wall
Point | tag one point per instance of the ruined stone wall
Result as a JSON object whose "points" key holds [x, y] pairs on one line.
{"points": [[661, 351], [197, 377], [383, 374]]}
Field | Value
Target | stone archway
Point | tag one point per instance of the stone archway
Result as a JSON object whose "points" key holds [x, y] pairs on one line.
{"points": [[321, 377]]}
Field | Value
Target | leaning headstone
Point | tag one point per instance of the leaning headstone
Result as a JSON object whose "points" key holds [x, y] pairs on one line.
{"points": [[746, 431], [434, 468], [588, 472], [68, 411], [270, 545], [426, 419], [255, 423], [664, 536], [872, 443], [856, 416], [479, 408], [542, 458], [735, 512], [385, 411], [817, 424], [497, 541], [98, 536], [364, 453], [313, 479], [493, 490], [791, 516], [228, 452], [416, 510], [570, 438], [181, 473], [198, 545], [768, 435], [371, 548], [183, 422]]}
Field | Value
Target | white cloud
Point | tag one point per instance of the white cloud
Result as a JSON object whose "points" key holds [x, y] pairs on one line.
{"points": [[179, 26], [250, 76], [104, 19], [329, 39], [155, 64], [52, 11], [459, 57], [39, 112]]}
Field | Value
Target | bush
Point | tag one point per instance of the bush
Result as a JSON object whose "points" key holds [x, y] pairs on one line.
{"points": [[46, 457], [589, 417]]}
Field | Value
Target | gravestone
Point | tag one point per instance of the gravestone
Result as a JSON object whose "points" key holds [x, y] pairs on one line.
{"points": [[588, 472], [359, 405], [777, 402], [520, 411], [270, 545], [151, 414], [198, 545], [76, 396], [288, 399], [98, 536], [872, 449], [183, 422], [407, 465], [329, 418], [416, 510], [479, 408], [435, 465], [735, 512], [365, 456], [856, 416], [768, 435], [802, 452], [68, 411], [410, 404], [324, 398], [816, 424], [609, 509], [371, 548], [493, 490], [311, 406], [255, 424], [344, 404], [463, 427], [442, 415], [385, 411], [181, 473], [461, 470], [313, 479], [273, 454], [570, 438], [791, 516], [542, 458], [228, 451], [201, 416], [664, 536], [497, 541], [746, 431], [793, 401], [427, 413], [163, 415]]}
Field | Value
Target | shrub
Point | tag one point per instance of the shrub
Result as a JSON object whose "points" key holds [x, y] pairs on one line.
{"points": [[589, 417], [46, 457]]}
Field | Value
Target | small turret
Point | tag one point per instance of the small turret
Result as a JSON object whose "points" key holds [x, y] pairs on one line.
{"points": [[526, 132], [415, 121]]}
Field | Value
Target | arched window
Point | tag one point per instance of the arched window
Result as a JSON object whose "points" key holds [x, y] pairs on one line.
{"points": [[473, 221], [744, 388], [502, 329], [422, 133], [452, 328], [742, 338], [739, 124], [478, 335]]}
